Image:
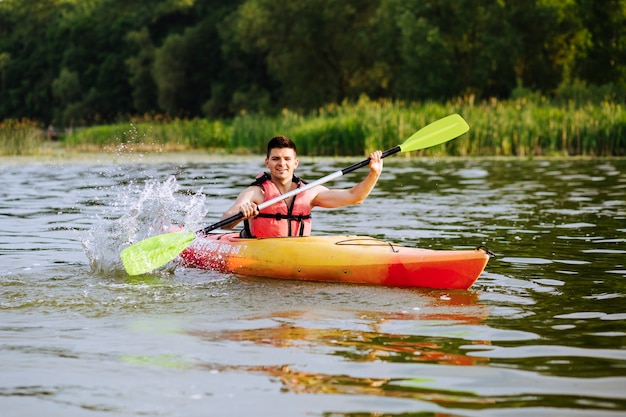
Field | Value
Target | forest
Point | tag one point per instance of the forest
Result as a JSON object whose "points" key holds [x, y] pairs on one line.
{"points": [[90, 62]]}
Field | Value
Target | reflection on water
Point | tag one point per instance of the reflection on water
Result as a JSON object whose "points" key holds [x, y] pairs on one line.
{"points": [[541, 333], [369, 343]]}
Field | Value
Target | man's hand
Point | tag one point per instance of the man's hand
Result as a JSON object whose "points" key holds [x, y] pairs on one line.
{"points": [[249, 210]]}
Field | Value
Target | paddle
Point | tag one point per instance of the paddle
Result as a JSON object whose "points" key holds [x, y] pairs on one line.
{"points": [[156, 251]]}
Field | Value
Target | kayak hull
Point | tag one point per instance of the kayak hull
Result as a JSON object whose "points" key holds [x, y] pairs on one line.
{"points": [[345, 259]]}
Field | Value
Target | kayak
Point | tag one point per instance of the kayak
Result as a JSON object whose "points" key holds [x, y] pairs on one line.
{"points": [[344, 259]]}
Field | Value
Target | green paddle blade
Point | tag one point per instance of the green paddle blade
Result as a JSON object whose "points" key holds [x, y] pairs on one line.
{"points": [[154, 252], [436, 133]]}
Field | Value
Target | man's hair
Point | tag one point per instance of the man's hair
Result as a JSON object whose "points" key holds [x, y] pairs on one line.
{"points": [[280, 142]]}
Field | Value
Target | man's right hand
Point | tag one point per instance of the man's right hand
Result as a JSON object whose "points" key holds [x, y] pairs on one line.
{"points": [[249, 210]]}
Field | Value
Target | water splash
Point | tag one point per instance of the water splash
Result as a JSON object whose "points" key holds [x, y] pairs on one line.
{"points": [[142, 212]]}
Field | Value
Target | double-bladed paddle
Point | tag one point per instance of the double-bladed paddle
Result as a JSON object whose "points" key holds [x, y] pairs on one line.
{"points": [[154, 252]]}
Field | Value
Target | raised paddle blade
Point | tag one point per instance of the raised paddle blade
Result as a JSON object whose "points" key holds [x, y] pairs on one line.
{"points": [[436, 133], [154, 252]]}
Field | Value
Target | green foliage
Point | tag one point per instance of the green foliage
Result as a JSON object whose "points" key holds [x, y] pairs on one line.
{"points": [[140, 71], [67, 86], [529, 128], [522, 127], [21, 137], [603, 60], [81, 63], [317, 50], [169, 72], [152, 134]]}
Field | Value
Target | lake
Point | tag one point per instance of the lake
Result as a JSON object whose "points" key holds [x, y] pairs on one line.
{"points": [[542, 332]]}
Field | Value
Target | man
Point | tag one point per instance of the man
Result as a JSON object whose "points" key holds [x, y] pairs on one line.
{"points": [[292, 217]]}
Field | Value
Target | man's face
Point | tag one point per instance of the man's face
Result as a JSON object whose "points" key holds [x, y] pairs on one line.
{"points": [[282, 162]]}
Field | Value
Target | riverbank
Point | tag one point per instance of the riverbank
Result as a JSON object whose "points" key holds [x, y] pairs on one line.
{"points": [[522, 127], [182, 158]]}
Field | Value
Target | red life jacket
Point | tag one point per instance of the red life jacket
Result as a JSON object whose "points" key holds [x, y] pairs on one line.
{"points": [[279, 220]]}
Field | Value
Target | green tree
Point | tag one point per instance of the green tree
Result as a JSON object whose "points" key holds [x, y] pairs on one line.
{"points": [[169, 73], [451, 47], [221, 57], [66, 87], [140, 71], [550, 32], [28, 34], [602, 58], [189, 64], [5, 59], [318, 51]]}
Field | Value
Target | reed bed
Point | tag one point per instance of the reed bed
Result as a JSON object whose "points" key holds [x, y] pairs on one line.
{"points": [[22, 137], [523, 127], [157, 134]]}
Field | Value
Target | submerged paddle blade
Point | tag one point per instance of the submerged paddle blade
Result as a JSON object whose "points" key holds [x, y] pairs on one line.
{"points": [[436, 133], [154, 252]]}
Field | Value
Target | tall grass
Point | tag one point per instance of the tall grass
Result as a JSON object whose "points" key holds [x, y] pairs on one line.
{"points": [[527, 128], [156, 134], [337, 130], [501, 128], [518, 127], [21, 137]]}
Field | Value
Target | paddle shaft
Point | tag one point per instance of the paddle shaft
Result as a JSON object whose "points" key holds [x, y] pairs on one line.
{"points": [[299, 190]]}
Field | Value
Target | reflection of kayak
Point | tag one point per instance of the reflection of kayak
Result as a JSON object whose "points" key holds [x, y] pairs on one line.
{"points": [[350, 259]]}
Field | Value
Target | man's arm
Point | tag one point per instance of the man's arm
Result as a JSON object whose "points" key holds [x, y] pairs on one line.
{"points": [[356, 195], [246, 203]]}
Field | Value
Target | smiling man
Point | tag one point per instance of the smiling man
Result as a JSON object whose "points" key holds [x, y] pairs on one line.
{"points": [[292, 216]]}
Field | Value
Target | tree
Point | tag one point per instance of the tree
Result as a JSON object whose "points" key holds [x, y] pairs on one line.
{"points": [[140, 71], [220, 57], [602, 59], [318, 51], [5, 58]]}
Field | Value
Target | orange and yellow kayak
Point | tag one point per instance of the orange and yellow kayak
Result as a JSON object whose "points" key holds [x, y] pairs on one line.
{"points": [[348, 259]]}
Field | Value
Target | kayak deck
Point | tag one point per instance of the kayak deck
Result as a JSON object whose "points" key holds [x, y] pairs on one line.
{"points": [[347, 259]]}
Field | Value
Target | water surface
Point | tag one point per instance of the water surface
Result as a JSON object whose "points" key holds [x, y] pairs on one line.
{"points": [[542, 332]]}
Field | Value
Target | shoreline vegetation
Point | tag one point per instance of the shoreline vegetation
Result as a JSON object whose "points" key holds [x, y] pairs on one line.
{"points": [[524, 127]]}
